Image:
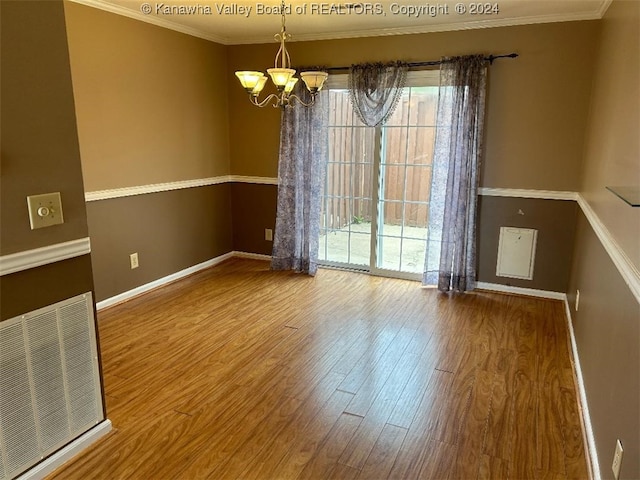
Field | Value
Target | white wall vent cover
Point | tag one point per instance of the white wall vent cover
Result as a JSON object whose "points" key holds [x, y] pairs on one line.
{"points": [[49, 382], [516, 252]]}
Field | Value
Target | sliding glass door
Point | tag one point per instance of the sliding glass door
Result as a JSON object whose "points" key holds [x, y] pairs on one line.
{"points": [[376, 197]]}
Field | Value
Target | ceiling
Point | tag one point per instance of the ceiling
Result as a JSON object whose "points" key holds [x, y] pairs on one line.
{"points": [[241, 22]]}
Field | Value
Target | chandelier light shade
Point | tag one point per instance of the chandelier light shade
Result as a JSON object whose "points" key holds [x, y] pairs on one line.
{"points": [[251, 80], [282, 76], [314, 80]]}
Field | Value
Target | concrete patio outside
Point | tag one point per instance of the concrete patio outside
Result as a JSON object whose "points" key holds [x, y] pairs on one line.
{"points": [[352, 245]]}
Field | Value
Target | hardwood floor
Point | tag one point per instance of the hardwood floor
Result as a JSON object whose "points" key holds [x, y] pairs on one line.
{"points": [[239, 372]]}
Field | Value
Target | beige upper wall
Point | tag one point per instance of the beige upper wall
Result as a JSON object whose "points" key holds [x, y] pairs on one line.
{"points": [[151, 103], [161, 95], [612, 151], [537, 104]]}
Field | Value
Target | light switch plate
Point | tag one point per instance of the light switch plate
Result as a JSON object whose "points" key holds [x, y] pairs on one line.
{"points": [[45, 210]]}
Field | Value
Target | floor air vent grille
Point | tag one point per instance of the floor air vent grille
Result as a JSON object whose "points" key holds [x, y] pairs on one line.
{"points": [[49, 382]]}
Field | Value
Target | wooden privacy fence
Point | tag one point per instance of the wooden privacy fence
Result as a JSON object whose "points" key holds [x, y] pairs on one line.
{"points": [[406, 161]]}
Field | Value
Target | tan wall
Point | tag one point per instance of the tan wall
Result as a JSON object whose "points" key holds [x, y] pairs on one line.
{"points": [[254, 209], [612, 151], [607, 324], [39, 139], [536, 116], [152, 108], [31, 289], [151, 102], [607, 331], [39, 154], [170, 231], [555, 222], [537, 104]]}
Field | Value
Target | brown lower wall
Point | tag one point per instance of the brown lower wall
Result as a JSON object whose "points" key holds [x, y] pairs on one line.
{"points": [[607, 331], [23, 292], [254, 209], [555, 222], [170, 231]]}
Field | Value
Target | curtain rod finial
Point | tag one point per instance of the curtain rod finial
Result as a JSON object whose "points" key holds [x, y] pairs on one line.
{"points": [[491, 58]]}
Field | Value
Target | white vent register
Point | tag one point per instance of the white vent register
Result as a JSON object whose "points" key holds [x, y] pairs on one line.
{"points": [[516, 252], [49, 382]]}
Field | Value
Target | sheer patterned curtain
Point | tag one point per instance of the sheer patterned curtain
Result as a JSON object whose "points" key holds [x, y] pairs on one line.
{"points": [[375, 89], [301, 170], [451, 247]]}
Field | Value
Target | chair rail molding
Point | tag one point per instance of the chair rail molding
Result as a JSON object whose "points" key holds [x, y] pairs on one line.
{"points": [[527, 193], [626, 268], [37, 257], [629, 272], [108, 194]]}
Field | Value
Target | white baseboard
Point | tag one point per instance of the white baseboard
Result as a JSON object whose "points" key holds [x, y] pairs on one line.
{"points": [[128, 295], [252, 256], [123, 297], [590, 443], [48, 465], [592, 452], [529, 292]]}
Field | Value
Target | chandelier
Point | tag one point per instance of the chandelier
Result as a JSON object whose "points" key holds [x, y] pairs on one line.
{"points": [[282, 76]]}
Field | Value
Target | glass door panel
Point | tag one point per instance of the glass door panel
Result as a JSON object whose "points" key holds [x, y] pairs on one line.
{"points": [[376, 200], [347, 207], [405, 183]]}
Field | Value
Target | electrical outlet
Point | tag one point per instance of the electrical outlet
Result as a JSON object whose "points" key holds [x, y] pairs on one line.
{"points": [[268, 234], [617, 460], [133, 258], [577, 299]]}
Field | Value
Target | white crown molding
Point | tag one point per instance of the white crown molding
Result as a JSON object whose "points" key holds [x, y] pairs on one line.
{"points": [[374, 32], [604, 7], [528, 193], [590, 439], [625, 266], [437, 28], [62, 456], [16, 262], [152, 19]]}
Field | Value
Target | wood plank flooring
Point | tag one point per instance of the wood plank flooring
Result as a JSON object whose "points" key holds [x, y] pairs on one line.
{"points": [[240, 372]]}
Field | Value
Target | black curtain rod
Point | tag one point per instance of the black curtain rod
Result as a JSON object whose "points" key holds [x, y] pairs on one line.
{"points": [[489, 59]]}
